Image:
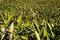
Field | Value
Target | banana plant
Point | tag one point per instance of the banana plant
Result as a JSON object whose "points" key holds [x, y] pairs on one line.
{"points": [[50, 27], [9, 28], [7, 25], [44, 30], [37, 31]]}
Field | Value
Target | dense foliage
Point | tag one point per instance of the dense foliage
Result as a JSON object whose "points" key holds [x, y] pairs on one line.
{"points": [[32, 19]]}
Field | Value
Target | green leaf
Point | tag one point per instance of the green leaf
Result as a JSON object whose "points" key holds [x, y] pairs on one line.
{"points": [[37, 25], [50, 27], [9, 19], [48, 38], [41, 32], [37, 35], [45, 32]]}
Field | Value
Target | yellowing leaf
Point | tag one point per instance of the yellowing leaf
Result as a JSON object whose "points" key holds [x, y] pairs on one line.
{"points": [[24, 37], [45, 32], [26, 24], [19, 19]]}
